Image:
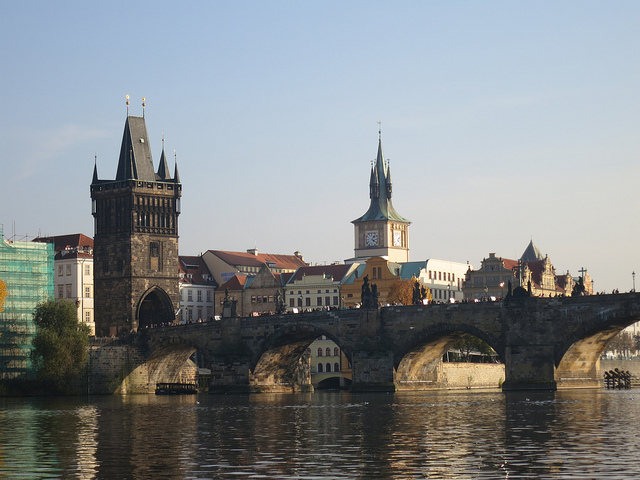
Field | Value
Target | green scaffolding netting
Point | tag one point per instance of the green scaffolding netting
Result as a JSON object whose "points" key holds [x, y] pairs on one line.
{"points": [[27, 270]]}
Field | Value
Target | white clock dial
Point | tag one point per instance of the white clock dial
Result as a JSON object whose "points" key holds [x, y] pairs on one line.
{"points": [[371, 239], [397, 239]]}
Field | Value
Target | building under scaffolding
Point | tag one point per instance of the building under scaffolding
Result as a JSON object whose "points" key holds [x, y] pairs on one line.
{"points": [[27, 270]]}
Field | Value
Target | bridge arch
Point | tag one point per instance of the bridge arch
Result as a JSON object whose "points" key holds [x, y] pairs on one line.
{"points": [[416, 362], [169, 362], [154, 308], [280, 362], [577, 358]]}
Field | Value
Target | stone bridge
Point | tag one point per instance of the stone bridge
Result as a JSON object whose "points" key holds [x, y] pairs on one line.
{"points": [[544, 343]]}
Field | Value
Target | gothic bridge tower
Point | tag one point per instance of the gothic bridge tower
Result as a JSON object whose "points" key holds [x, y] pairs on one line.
{"points": [[381, 231], [135, 238]]}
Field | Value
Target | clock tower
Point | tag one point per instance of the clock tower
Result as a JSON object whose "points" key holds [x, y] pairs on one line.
{"points": [[381, 231]]}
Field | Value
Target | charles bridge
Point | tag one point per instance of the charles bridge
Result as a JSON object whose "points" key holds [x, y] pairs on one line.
{"points": [[544, 343]]}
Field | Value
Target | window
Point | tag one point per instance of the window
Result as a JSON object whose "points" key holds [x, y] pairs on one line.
{"points": [[335, 300], [319, 368], [68, 288], [190, 314], [87, 317], [68, 270], [319, 301], [429, 274], [292, 302], [307, 301], [336, 352], [327, 301], [87, 269], [379, 272], [319, 351], [208, 295], [328, 352], [60, 291], [199, 295], [300, 302], [328, 367], [374, 274], [59, 270], [189, 295], [87, 292], [336, 367]]}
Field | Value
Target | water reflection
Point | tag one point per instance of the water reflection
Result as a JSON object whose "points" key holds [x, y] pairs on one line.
{"points": [[571, 434]]}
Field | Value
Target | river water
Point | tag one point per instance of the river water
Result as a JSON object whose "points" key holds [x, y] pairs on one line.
{"points": [[586, 434]]}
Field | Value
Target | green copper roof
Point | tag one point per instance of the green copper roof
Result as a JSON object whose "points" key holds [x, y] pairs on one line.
{"points": [[381, 207]]}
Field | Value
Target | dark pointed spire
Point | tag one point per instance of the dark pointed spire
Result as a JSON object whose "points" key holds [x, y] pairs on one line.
{"points": [[176, 175], [135, 155], [95, 170], [163, 166]]}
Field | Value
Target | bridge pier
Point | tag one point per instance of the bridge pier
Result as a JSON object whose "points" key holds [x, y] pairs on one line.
{"points": [[529, 367], [372, 371]]}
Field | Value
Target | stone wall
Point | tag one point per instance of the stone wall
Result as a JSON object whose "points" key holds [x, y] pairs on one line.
{"points": [[470, 375]]}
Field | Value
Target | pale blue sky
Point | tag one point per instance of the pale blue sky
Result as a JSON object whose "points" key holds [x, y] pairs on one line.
{"points": [[503, 121]]}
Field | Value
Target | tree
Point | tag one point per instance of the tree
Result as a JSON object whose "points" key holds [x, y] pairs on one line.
{"points": [[469, 344], [60, 347], [401, 291]]}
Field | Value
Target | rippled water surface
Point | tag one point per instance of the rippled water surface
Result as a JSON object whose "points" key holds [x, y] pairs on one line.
{"points": [[588, 434]]}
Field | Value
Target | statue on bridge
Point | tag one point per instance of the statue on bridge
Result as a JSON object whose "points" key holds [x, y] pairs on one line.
{"points": [[369, 296], [279, 301], [578, 288], [419, 293], [228, 306]]}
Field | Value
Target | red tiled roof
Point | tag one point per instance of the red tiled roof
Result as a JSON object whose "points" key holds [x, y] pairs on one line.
{"points": [[65, 255], [73, 241], [236, 282], [337, 272], [287, 262], [510, 264], [194, 266]]}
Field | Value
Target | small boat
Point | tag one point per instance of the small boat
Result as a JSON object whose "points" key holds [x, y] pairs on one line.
{"points": [[176, 388]]}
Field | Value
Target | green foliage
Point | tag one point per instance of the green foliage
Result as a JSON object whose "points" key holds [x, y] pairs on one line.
{"points": [[469, 344], [60, 346]]}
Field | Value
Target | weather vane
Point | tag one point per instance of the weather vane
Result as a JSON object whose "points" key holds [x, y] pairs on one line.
{"points": [[143, 105], [379, 129], [127, 97]]}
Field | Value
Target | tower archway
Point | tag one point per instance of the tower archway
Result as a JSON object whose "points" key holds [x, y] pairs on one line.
{"points": [[154, 308]]}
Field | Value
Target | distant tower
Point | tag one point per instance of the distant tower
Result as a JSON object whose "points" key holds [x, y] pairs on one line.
{"points": [[381, 231], [136, 238]]}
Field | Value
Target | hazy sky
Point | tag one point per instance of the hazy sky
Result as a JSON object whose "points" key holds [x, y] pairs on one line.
{"points": [[503, 122]]}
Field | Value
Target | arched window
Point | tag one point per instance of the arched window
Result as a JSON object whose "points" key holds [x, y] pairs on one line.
{"points": [[328, 352], [336, 367], [374, 273], [336, 352], [319, 351], [328, 367], [379, 272], [319, 368]]}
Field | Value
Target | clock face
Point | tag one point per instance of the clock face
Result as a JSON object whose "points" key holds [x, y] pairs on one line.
{"points": [[371, 239], [397, 239]]}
